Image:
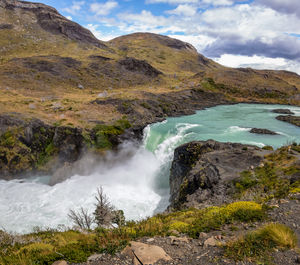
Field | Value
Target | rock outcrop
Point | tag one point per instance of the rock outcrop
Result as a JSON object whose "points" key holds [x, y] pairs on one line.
{"points": [[141, 66], [51, 21], [262, 131], [295, 120], [202, 172], [27, 145], [283, 111]]}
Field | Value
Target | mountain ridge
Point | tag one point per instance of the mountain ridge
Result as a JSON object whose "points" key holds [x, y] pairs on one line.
{"points": [[55, 71]]}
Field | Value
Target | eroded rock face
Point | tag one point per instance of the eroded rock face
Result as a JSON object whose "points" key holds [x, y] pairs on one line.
{"points": [[50, 20], [201, 172], [135, 65], [27, 145]]}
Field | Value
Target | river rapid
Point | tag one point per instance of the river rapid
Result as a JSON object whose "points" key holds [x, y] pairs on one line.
{"points": [[138, 179]]}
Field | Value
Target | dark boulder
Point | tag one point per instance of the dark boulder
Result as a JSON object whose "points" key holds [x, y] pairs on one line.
{"points": [[262, 131], [201, 172], [283, 111], [295, 120]]}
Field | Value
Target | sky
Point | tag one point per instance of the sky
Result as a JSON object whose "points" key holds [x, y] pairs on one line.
{"points": [[263, 34]]}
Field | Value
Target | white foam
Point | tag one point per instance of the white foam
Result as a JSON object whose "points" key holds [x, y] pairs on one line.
{"points": [[236, 129], [128, 184], [164, 151], [253, 143]]}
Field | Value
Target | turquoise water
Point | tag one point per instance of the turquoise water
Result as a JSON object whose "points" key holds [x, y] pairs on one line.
{"points": [[226, 123], [229, 123], [137, 178]]}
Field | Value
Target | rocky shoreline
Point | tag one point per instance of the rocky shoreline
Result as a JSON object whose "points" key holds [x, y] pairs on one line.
{"points": [[30, 146]]}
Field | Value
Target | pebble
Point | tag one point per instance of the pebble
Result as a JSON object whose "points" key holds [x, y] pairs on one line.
{"points": [[32, 106]]}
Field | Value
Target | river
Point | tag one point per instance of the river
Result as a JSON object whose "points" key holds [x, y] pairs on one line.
{"points": [[138, 180]]}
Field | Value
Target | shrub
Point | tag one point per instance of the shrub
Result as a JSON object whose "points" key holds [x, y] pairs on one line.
{"points": [[257, 244]]}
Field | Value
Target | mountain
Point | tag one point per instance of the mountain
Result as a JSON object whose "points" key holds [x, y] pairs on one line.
{"points": [[55, 74]]}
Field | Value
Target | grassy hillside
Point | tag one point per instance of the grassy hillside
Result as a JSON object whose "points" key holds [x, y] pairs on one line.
{"points": [[46, 60]]}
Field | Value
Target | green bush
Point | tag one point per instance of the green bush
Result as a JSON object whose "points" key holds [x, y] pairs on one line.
{"points": [[257, 244]]}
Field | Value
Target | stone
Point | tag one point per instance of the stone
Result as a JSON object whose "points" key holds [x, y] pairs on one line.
{"points": [[262, 131], [212, 242], [295, 120], [145, 254], [32, 106], [56, 106], [282, 201], [80, 86], [94, 257], [283, 111], [174, 232], [298, 259], [60, 262], [178, 240], [103, 94], [150, 240], [203, 235]]}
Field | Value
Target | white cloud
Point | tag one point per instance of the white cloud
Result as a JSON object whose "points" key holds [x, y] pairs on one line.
{"points": [[103, 9], [172, 1], [199, 2], [253, 33], [185, 10], [74, 8], [199, 41], [69, 17], [99, 34], [258, 62]]}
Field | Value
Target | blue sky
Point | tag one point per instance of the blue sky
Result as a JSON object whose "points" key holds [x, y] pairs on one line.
{"points": [[254, 33]]}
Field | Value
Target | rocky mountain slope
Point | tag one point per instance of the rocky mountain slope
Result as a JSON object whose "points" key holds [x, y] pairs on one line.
{"points": [[55, 72]]}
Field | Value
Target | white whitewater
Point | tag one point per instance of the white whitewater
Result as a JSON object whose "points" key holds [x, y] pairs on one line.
{"points": [[137, 178]]}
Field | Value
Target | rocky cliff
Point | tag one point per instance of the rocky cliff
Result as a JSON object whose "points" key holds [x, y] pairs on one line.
{"points": [[213, 173], [202, 172]]}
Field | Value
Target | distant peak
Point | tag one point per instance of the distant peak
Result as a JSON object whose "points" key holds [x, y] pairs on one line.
{"points": [[52, 21], [162, 39]]}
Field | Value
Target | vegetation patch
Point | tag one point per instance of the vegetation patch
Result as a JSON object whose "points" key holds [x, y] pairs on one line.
{"points": [[73, 246], [273, 179], [105, 135], [258, 244]]}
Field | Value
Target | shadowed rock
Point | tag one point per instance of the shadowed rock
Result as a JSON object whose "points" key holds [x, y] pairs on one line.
{"points": [[202, 171], [262, 131], [283, 111], [135, 65], [295, 120]]}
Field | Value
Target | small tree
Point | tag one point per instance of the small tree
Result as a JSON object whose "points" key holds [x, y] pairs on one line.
{"points": [[105, 214], [118, 217], [104, 210], [81, 218]]}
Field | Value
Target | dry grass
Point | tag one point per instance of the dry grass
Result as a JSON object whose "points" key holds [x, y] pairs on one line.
{"points": [[257, 245]]}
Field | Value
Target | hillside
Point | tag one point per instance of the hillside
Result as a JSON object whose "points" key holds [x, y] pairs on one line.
{"points": [[56, 73], [47, 59], [65, 96]]}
